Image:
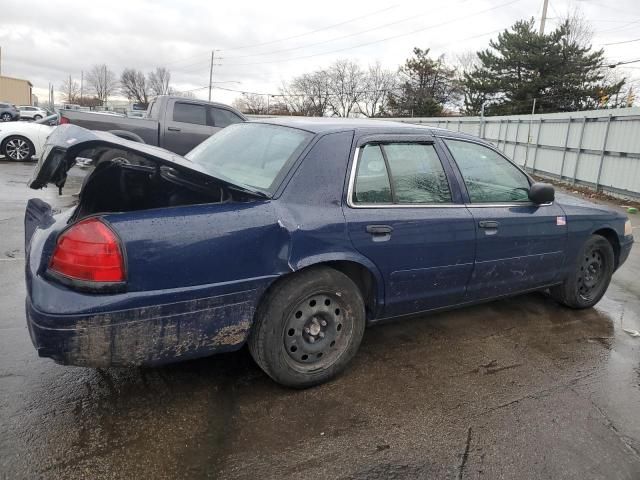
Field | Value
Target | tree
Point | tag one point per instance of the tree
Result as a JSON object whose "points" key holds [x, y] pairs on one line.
{"points": [[307, 94], [556, 69], [158, 81], [70, 90], [102, 82], [346, 87], [133, 85], [378, 85], [252, 103], [427, 86]]}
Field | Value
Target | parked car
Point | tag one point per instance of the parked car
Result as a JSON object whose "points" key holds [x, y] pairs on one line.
{"points": [[292, 235], [175, 123], [8, 112], [32, 113], [21, 141]]}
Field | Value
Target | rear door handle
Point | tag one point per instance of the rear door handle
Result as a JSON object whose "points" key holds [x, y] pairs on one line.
{"points": [[379, 229], [173, 129], [488, 224]]}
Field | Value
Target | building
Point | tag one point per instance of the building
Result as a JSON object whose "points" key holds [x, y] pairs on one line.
{"points": [[15, 90]]}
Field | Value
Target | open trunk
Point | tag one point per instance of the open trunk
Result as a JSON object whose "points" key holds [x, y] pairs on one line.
{"points": [[129, 175]]}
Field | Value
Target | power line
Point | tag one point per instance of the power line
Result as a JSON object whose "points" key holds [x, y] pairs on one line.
{"points": [[385, 25], [625, 41], [383, 39], [314, 31]]}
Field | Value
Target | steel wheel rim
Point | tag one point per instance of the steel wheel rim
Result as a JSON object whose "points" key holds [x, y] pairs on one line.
{"points": [[317, 332], [17, 149], [592, 274]]}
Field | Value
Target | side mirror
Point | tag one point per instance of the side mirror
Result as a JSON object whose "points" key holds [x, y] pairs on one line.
{"points": [[540, 193]]}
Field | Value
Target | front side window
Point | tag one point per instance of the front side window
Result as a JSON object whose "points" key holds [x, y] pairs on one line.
{"points": [[400, 173], [489, 177], [189, 113], [254, 155]]}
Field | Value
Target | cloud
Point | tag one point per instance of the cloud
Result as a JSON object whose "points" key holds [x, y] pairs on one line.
{"points": [[46, 41]]}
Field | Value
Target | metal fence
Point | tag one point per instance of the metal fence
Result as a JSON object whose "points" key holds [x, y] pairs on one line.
{"points": [[599, 149]]}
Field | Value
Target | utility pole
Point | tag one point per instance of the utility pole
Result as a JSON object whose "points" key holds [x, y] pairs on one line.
{"points": [[0, 60], [81, 85], [213, 53], [543, 19]]}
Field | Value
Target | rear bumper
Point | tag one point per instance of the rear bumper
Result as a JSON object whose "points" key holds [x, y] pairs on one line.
{"points": [[151, 335]]}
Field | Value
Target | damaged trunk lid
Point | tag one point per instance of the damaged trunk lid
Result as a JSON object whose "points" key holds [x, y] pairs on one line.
{"points": [[67, 142]]}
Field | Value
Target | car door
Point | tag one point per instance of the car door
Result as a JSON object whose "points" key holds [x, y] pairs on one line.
{"points": [[405, 214], [520, 245], [186, 125]]}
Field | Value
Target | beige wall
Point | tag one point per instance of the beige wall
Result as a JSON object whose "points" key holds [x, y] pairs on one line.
{"points": [[15, 90]]}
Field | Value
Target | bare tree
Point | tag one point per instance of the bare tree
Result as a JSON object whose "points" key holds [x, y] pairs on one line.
{"points": [[378, 84], [307, 94], [346, 87], [70, 90], [580, 32], [102, 82], [252, 104], [158, 81], [133, 85]]}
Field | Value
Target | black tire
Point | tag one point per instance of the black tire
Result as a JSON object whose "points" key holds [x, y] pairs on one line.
{"points": [[17, 148], [6, 117], [590, 280], [37, 117], [308, 327]]}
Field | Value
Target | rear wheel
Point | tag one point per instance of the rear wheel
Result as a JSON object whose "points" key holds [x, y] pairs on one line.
{"points": [[6, 117], [308, 327], [17, 148], [588, 283]]}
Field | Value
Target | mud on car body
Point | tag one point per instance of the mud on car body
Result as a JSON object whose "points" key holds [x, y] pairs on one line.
{"points": [[291, 236]]}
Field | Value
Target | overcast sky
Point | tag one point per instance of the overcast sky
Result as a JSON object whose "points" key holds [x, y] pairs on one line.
{"points": [[265, 43]]}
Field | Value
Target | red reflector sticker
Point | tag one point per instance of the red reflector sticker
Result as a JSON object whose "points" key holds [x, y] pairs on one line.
{"points": [[561, 221]]}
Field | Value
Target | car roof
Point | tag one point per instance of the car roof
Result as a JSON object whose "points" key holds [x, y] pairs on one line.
{"points": [[321, 125]]}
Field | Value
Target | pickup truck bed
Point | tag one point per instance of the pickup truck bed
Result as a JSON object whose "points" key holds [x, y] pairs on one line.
{"points": [[174, 123]]}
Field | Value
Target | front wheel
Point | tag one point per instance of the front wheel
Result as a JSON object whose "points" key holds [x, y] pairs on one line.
{"points": [[37, 117], [308, 327], [6, 117], [590, 279], [17, 148]]}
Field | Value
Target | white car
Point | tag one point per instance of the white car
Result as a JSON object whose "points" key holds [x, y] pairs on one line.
{"points": [[32, 113], [20, 141]]}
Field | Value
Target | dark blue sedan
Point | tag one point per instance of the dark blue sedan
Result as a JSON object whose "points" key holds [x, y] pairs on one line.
{"points": [[291, 236]]}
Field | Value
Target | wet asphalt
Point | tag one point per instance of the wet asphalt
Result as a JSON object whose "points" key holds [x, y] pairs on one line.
{"points": [[519, 388]]}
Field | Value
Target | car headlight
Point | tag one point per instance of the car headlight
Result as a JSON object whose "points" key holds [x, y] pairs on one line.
{"points": [[628, 230]]}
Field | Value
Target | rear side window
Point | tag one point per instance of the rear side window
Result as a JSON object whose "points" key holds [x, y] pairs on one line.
{"points": [[189, 113], [401, 173], [488, 176], [222, 118], [372, 181]]}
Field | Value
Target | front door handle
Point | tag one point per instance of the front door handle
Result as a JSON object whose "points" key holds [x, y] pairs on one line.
{"points": [[173, 129], [488, 224], [379, 229]]}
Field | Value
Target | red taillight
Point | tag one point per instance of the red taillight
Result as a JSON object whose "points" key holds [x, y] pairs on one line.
{"points": [[89, 251], [63, 120]]}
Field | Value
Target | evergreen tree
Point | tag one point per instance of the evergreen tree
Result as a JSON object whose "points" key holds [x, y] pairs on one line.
{"points": [[521, 65], [426, 86]]}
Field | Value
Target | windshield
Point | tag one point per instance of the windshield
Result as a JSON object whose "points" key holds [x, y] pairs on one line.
{"points": [[252, 155]]}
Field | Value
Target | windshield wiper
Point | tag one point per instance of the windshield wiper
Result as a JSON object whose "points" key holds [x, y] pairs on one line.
{"points": [[257, 193]]}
